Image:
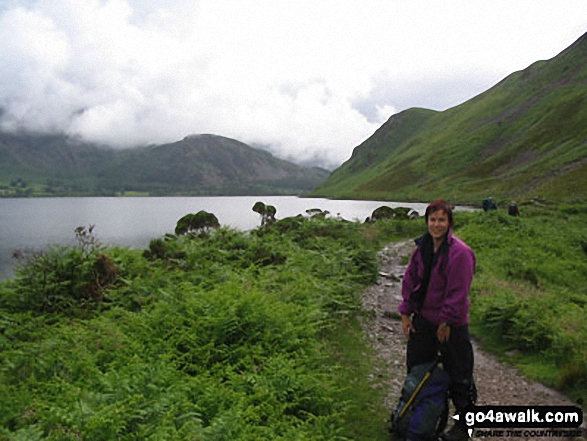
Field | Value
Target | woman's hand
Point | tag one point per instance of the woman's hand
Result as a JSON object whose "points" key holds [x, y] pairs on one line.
{"points": [[407, 326], [443, 332]]}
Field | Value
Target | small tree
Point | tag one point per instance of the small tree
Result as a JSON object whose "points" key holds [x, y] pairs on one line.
{"points": [[267, 213], [201, 222]]}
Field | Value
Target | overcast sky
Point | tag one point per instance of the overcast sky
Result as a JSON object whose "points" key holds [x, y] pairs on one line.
{"points": [[308, 79]]}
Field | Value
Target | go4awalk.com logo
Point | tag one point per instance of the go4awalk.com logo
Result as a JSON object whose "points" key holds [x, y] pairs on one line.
{"points": [[558, 419]]}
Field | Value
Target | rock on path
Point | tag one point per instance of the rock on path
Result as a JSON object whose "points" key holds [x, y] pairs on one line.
{"points": [[497, 384]]}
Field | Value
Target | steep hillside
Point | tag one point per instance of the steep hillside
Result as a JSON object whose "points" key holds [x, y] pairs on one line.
{"points": [[32, 153], [202, 164], [213, 163], [525, 137]]}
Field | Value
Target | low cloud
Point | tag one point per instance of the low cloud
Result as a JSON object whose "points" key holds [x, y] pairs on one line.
{"points": [[309, 80]]}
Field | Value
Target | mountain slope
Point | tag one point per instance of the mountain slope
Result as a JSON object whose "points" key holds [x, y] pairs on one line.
{"points": [[31, 153], [202, 164], [209, 162], [525, 137]]}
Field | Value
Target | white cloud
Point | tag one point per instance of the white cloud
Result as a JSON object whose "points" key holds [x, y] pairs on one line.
{"points": [[310, 79]]}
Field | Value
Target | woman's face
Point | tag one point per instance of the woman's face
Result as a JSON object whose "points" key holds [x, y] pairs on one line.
{"points": [[438, 224]]}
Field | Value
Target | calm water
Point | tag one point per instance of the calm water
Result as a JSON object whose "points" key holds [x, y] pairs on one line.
{"points": [[31, 223]]}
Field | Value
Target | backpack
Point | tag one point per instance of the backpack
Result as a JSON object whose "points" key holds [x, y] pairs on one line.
{"points": [[422, 411]]}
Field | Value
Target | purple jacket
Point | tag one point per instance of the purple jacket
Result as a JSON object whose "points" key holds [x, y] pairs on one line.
{"points": [[447, 299]]}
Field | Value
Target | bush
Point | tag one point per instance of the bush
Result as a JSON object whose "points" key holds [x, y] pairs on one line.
{"points": [[66, 280], [200, 223], [164, 249]]}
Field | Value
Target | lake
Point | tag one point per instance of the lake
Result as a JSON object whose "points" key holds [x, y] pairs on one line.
{"points": [[33, 223]]}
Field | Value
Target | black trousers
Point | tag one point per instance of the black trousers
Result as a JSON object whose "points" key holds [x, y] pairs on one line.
{"points": [[456, 357]]}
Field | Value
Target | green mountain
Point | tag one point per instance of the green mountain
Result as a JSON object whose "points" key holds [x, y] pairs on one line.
{"points": [[524, 138], [198, 164]]}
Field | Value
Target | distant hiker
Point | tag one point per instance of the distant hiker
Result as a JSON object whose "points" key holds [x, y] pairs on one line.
{"points": [[513, 209], [435, 308], [489, 204]]}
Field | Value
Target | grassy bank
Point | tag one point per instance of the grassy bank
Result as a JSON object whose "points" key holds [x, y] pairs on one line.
{"points": [[530, 290], [220, 336], [254, 336]]}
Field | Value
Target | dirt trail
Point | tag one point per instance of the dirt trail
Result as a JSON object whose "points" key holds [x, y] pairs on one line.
{"points": [[497, 384]]}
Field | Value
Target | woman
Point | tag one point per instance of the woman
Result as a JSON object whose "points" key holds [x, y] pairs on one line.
{"points": [[435, 308]]}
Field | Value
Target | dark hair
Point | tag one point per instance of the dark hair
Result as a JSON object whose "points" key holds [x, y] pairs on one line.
{"points": [[437, 205]]}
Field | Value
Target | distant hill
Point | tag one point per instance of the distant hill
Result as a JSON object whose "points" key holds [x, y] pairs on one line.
{"points": [[198, 164], [524, 138]]}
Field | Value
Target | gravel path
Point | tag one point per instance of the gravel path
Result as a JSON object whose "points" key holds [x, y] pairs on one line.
{"points": [[497, 384]]}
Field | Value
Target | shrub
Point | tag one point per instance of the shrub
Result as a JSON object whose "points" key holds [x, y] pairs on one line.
{"points": [[164, 249], [69, 280], [200, 223], [386, 212], [383, 212]]}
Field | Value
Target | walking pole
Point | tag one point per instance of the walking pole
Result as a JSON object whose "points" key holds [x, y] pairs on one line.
{"points": [[417, 391]]}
